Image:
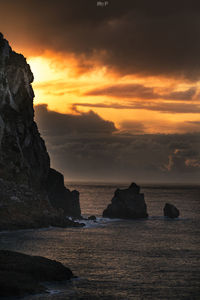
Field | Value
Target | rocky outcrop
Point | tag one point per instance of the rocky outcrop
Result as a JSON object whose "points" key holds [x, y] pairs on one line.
{"points": [[22, 274], [61, 197], [24, 160], [22, 208], [127, 204], [171, 211]]}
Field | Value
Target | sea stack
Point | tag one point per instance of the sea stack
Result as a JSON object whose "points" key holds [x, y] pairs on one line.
{"points": [[170, 211], [127, 204], [31, 193]]}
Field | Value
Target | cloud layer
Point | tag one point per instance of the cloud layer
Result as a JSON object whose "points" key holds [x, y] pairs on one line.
{"points": [[132, 37], [142, 92], [164, 107], [57, 124], [81, 150]]}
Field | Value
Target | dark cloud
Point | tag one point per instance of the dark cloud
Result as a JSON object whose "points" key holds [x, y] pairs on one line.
{"points": [[58, 124], [184, 160], [140, 91], [180, 95], [190, 126], [115, 156], [164, 107], [194, 122], [141, 37], [125, 91], [164, 126]]}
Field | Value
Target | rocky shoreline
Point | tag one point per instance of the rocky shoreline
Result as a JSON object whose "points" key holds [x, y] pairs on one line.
{"points": [[23, 208]]}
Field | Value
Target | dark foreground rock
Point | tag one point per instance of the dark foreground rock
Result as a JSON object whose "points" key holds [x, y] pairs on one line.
{"points": [[92, 218], [127, 204], [38, 194], [22, 274], [171, 211]]}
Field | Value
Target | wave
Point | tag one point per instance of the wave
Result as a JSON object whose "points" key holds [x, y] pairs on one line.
{"points": [[99, 222]]}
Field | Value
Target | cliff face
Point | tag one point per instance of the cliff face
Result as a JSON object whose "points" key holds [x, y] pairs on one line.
{"points": [[23, 156]]}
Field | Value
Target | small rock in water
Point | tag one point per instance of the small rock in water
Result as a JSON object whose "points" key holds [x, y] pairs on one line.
{"points": [[92, 218], [171, 211]]}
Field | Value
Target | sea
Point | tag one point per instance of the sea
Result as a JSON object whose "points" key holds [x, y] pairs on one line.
{"points": [[154, 258]]}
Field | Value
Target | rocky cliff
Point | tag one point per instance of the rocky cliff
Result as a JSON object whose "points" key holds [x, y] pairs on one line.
{"points": [[24, 161]]}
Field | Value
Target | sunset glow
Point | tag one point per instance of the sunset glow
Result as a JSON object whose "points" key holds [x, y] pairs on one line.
{"points": [[64, 90], [117, 88]]}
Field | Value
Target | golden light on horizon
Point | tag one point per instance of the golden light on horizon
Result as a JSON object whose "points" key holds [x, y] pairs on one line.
{"points": [[42, 69]]}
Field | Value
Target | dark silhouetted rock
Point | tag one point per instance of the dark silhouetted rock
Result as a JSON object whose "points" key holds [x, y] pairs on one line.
{"points": [[14, 284], [127, 204], [22, 274], [171, 211], [22, 208], [38, 192], [92, 218], [60, 196]]}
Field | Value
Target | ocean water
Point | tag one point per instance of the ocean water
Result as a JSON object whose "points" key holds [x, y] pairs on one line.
{"points": [[156, 258]]}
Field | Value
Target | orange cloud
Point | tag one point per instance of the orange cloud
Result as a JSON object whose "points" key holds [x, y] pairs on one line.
{"points": [[123, 100]]}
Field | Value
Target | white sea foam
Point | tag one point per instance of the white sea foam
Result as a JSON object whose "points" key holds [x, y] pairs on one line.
{"points": [[99, 222], [102, 222]]}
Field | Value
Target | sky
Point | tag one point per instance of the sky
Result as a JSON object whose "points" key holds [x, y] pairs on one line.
{"points": [[117, 85]]}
